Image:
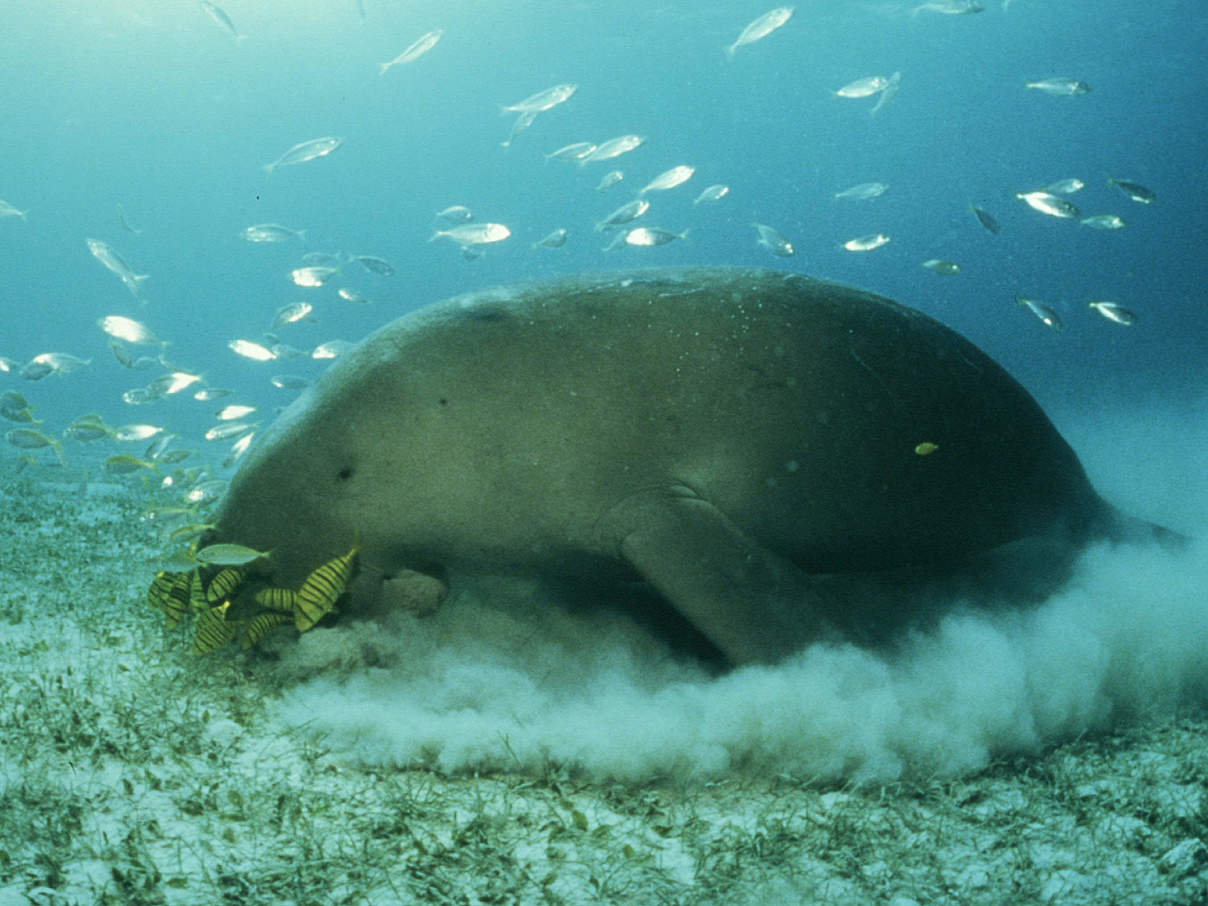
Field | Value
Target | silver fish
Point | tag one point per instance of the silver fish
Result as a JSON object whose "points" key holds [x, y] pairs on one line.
{"points": [[304, 151], [414, 51], [863, 88], [624, 214], [474, 233], [648, 237], [8, 210], [270, 232], [105, 253], [772, 240], [888, 94], [1047, 316], [573, 151], [455, 213], [1059, 87], [940, 266], [761, 27], [1048, 203], [1103, 222], [863, 191], [1113, 311], [218, 14], [128, 329], [543, 100], [523, 121], [866, 243], [1134, 190], [609, 179], [986, 220], [710, 194], [553, 240], [375, 265], [315, 275], [1065, 186], [668, 179], [290, 314], [614, 147]]}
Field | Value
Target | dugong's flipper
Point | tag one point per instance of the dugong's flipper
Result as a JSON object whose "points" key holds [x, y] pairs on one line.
{"points": [[753, 604]]}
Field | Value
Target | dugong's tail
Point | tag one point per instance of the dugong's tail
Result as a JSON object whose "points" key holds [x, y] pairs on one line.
{"points": [[1123, 528]]}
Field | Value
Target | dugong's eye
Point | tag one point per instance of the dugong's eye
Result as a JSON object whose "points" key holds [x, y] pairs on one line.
{"points": [[344, 474]]}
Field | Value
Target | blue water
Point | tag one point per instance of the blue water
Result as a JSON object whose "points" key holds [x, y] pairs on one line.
{"points": [[155, 107]]}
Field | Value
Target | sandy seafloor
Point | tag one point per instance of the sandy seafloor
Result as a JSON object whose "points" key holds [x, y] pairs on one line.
{"points": [[132, 771]]}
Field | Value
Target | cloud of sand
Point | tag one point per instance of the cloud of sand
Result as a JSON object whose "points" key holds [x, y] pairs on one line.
{"points": [[500, 679]]}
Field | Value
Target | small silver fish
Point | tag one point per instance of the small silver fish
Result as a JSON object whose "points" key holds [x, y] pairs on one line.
{"points": [[289, 381], [374, 265], [455, 213], [1048, 203], [1065, 186], [940, 266], [986, 220], [609, 179], [270, 232], [1113, 311], [250, 350], [668, 179], [414, 51], [772, 240], [866, 243], [712, 193], [614, 147], [291, 314], [863, 88], [473, 233], [224, 21], [1059, 87], [128, 329], [312, 276], [553, 240], [573, 151], [351, 295], [624, 214], [1047, 316], [890, 92], [1103, 222], [649, 237], [950, 7], [543, 100], [105, 253], [863, 191], [331, 349], [304, 151], [523, 121], [1134, 190], [228, 555], [760, 28], [7, 210]]}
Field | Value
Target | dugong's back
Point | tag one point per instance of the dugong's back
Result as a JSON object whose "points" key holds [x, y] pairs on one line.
{"points": [[840, 429]]}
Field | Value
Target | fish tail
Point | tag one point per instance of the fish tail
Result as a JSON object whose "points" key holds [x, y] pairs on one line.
{"points": [[729, 51], [435, 236], [269, 168], [382, 67]]}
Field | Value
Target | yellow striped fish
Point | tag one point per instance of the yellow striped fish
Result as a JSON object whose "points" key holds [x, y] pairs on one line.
{"points": [[279, 599], [318, 594], [261, 626], [213, 630], [223, 585], [169, 593]]}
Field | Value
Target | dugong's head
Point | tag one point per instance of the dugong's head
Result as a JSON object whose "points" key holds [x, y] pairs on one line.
{"points": [[312, 486]]}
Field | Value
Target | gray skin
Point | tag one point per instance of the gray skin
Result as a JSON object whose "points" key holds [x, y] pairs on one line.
{"points": [[742, 441]]}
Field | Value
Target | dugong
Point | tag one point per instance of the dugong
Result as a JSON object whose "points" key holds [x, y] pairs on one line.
{"points": [[779, 458]]}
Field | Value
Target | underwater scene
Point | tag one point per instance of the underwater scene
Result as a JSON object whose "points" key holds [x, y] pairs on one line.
{"points": [[205, 206]]}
